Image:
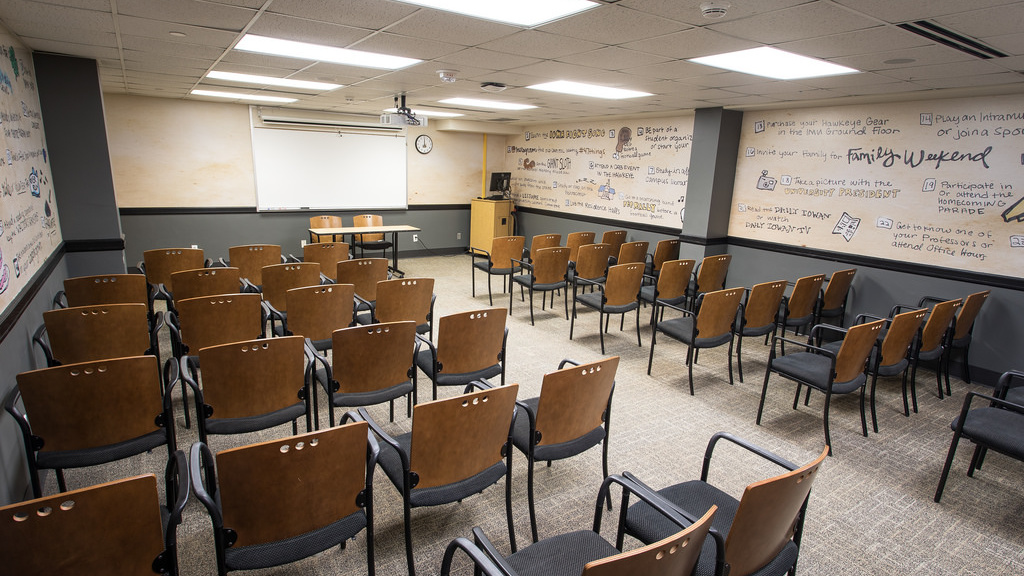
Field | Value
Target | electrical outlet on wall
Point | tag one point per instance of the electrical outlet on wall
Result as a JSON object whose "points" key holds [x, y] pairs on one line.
{"points": [[415, 238], [302, 243], [195, 245], [458, 235]]}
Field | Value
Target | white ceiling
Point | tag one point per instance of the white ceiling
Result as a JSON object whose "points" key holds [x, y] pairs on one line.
{"points": [[637, 44]]}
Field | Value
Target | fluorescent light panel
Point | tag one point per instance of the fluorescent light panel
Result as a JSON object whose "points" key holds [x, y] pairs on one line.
{"points": [[271, 81], [592, 90], [527, 13], [422, 112], [774, 63], [235, 96], [320, 53], [496, 104]]}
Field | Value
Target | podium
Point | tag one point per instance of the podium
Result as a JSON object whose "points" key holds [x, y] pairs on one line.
{"points": [[490, 219]]}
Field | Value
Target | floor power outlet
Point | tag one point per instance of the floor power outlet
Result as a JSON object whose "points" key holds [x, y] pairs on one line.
{"points": [[415, 238]]}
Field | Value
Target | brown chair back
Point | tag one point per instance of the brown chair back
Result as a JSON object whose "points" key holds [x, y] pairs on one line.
{"points": [[623, 284], [550, 265], [964, 319], [279, 278], [251, 258], [206, 282], [900, 336], [112, 528], [327, 254], [85, 333], [718, 312], [545, 241], [92, 404], [855, 349], [324, 221], [404, 299], [938, 322], [259, 483], [245, 379], [106, 289], [470, 341], [767, 516], [373, 357], [837, 288], [712, 272], [218, 319], [674, 278], [459, 437], [632, 252], [504, 249], [805, 295], [664, 251], [573, 400], [672, 556], [763, 303], [576, 239], [592, 260], [363, 274], [367, 221], [615, 238], [162, 262], [315, 312]]}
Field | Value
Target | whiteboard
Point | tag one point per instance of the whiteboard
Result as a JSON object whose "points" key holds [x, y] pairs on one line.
{"points": [[328, 170]]}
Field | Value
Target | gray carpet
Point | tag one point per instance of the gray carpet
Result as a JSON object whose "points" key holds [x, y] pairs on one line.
{"points": [[871, 509]]}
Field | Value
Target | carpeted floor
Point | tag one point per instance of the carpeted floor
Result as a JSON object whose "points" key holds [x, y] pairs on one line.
{"points": [[870, 512]]}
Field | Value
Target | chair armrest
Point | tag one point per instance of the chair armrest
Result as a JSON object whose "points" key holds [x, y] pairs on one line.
{"points": [[929, 300], [767, 455], [995, 403], [178, 484], [567, 361], [361, 415], [481, 384], [481, 561], [1006, 381], [826, 328], [172, 374], [492, 553], [900, 308], [39, 339], [810, 347], [864, 316], [204, 486], [591, 282], [248, 287], [676, 308], [526, 264], [60, 300], [631, 485]]}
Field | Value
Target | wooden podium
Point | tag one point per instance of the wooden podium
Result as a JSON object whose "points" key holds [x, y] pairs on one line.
{"points": [[490, 219]]}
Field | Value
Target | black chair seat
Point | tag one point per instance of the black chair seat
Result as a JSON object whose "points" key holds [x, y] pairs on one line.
{"points": [[521, 437], [1016, 395], [391, 463], [562, 555], [814, 370], [297, 548], [650, 526], [526, 279], [101, 454], [682, 329], [593, 300], [997, 428], [425, 362], [484, 265], [216, 425]]}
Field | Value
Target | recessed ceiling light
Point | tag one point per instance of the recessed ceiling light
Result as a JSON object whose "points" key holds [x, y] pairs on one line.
{"points": [[422, 112], [475, 103], [177, 34], [773, 63], [235, 96], [526, 13], [592, 90], [271, 81], [320, 53]]}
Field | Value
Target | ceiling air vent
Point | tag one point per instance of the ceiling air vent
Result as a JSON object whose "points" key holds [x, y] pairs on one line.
{"points": [[937, 33]]}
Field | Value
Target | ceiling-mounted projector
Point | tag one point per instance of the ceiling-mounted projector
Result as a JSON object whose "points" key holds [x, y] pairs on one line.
{"points": [[403, 116]]}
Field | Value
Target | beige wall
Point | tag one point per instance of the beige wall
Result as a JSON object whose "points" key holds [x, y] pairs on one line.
{"points": [[186, 153]]}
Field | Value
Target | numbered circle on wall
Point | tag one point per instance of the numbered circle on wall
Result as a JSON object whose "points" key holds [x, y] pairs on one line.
{"points": [[424, 144]]}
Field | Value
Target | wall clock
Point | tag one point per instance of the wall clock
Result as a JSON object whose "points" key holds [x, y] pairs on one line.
{"points": [[424, 144]]}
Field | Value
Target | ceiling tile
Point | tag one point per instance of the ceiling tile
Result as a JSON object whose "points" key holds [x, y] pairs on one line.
{"points": [[689, 12], [540, 45], [369, 14], [395, 45], [303, 30], [612, 24], [692, 43], [986, 22], [613, 58], [188, 12], [451, 28], [868, 41], [480, 58], [796, 23], [904, 11]]}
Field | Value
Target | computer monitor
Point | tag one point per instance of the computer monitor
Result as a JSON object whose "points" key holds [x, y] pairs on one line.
{"points": [[501, 181]]}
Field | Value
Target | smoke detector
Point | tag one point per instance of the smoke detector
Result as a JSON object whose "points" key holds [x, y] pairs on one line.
{"points": [[492, 87], [447, 76], [714, 10]]}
